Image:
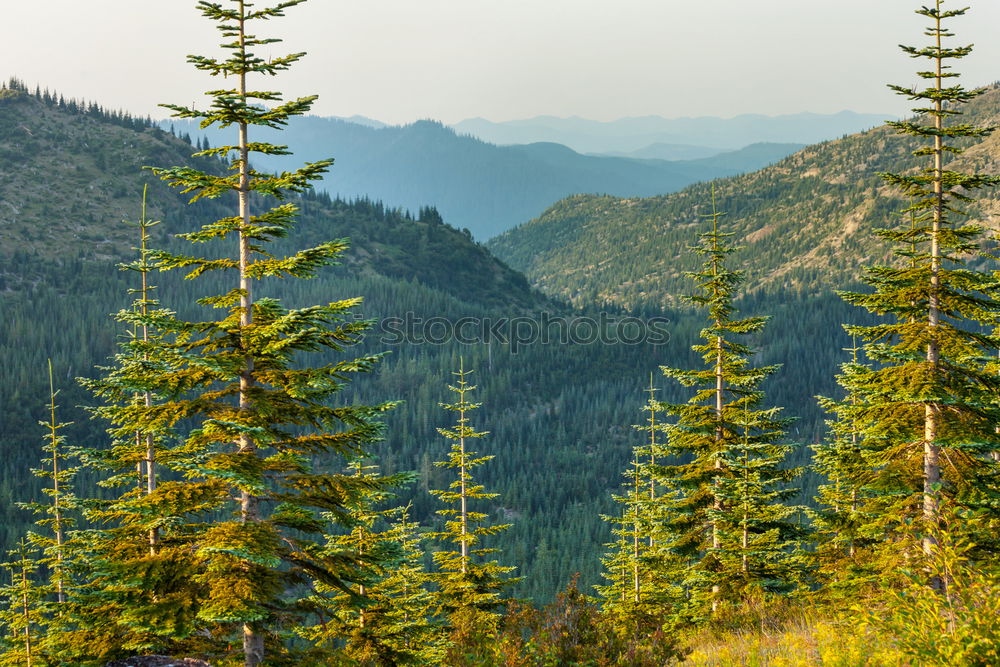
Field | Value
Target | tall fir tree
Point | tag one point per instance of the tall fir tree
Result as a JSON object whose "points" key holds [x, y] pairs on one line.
{"points": [[926, 408], [56, 518], [138, 590], [469, 586], [255, 420], [726, 451]]}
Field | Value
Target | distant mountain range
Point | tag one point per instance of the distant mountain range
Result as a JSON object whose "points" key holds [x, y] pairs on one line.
{"points": [[671, 138], [475, 184], [806, 223]]}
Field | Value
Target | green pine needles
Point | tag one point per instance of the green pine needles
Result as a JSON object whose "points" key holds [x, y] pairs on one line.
{"points": [[469, 586], [58, 514], [35, 609], [637, 561], [388, 616], [843, 529], [246, 398], [21, 614], [138, 588], [926, 407], [726, 521]]}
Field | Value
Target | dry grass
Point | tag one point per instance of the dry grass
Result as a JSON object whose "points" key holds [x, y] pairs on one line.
{"points": [[803, 641]]}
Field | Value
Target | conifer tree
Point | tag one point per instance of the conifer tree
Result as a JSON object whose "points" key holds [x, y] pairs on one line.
{"points": [[138, 590], [926, 409], [638, 568], [758, 538], [22, 619], [728, 450], [145, 440], [57, 515], [469, 586], [387, 618], [625, 566], [41, 610], [843, 518], [252, 420]]}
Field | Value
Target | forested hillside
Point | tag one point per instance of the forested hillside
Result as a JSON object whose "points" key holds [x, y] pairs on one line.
{"points": [[805, 223], [245, 423], [548, 403], [102, 155], [61, 281]]}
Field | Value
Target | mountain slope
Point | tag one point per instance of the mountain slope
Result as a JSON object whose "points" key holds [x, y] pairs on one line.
{"points": [[559, 414], [484, 188], [68, 178], [806, 223], [750, 158], [548, 407], [665, 151]]}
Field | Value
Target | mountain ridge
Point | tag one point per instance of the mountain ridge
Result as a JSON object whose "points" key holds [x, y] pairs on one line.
{"points": [[628, 135], [806, 222], [559, 415], [474, 184], [107, 169]]}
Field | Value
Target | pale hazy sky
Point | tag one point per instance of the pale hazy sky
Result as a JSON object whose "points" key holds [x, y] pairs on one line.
{"points": [[401, 60]]}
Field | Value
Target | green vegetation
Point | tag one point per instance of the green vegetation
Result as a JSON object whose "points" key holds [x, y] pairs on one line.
{"points": [[238, 498], [469, 585], [925, 408], [725, 519], [388, 616]]}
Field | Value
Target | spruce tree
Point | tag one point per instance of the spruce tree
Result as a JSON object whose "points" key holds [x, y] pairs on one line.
{"points": [[56, 515], [387, 617], [926, 408], [625, 565], [138, 590], [52, 540], [758, 538], [638, 567], [844, 503], [22, 621], [469, 585], [726, 451], [254, 419]]}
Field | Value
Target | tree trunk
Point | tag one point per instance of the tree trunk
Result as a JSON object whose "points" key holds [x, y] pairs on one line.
{"points": [[57, 517], [652, 453], [26, 610], [465, 516], [932, 467], [716, 502], [154, 537], [746, 543], [253, 640], [635, 533]]}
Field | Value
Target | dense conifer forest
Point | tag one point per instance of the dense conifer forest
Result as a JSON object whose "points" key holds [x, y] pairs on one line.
{"points": [[754, 422]]}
